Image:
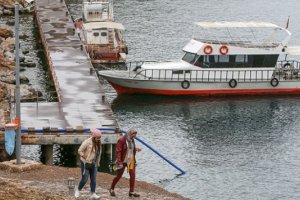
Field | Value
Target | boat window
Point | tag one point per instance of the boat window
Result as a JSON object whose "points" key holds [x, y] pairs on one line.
{"points": [[190, 57], [270, 60], [96, 34], [236, 61], [103, 34], [239, 58], [232, 58], [223, 59], [205, 58], [212, 59], [262, 60], [258, 60], [199, 61], [177, 71]]}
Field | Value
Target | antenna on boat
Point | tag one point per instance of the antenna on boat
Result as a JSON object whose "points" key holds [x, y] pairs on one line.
{"points": [[287, 23]]}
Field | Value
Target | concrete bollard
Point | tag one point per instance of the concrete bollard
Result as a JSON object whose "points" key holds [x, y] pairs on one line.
{"points": [[71, 185], [79, 129], [69, 129], [46, 129], [53, 129], [31, 129]]}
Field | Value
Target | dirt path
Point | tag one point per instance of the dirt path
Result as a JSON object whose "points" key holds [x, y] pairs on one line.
{"points": [[50, 182]]}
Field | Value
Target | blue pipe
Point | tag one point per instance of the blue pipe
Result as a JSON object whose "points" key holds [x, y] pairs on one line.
{"points": [[112, 129], [168, 161]]}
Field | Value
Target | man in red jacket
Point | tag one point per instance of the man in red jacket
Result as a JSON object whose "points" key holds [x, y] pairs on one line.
{"points": [[125, 153]]}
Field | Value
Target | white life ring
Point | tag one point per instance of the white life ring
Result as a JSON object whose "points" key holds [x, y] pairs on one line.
{"points": [[208, 49], [223, 50]]}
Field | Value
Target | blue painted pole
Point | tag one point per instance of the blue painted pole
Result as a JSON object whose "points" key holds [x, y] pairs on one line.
{"points": [[157, 153]]}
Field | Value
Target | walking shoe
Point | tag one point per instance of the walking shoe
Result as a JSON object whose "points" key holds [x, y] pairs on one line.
{"points": [[132, 194], [94, 196], [112, 193], [77, 193]]}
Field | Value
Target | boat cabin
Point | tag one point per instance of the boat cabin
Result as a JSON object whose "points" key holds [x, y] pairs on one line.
{"points": [[233, 61], [231, 51], [103, 33], [95, 11]]}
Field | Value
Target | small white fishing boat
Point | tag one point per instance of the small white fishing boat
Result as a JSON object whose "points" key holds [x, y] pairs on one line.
{"points": [[247, 64], [101, 36]]}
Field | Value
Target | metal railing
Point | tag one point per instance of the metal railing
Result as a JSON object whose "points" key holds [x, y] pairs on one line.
{"points": [[284, 70]]}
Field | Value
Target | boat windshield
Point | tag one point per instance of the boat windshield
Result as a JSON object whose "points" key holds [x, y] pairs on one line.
{"points": [[190, 57]]}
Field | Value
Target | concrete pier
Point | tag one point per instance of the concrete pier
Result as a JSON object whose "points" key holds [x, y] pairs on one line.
{"points": [[82, 103]]}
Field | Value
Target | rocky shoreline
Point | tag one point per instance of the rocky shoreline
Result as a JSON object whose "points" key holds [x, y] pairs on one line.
{"points": [[50, 182], [7, 64]]}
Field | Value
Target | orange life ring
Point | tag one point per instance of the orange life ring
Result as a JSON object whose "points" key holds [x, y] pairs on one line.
{"points": [[208, 49], [223, 50]]}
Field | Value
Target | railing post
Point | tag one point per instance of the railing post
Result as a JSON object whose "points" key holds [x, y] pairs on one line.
{"points": [[37, 99]]}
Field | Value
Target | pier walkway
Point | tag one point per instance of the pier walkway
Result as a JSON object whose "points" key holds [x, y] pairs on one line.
{"points": [[82, 103]]}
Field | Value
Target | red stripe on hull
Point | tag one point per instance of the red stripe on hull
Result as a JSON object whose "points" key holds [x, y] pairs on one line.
{"points": [[126, 90]]}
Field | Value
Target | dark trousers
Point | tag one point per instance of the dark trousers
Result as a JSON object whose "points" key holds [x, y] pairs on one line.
{"points": [[119, 175]]}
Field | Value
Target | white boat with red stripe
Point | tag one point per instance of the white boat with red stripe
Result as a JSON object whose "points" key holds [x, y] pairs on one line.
{"points": [[243, 58]]}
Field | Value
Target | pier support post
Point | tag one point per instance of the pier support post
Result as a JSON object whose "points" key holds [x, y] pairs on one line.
{"points": [[47, 154], [110, 151], [76, 147]]}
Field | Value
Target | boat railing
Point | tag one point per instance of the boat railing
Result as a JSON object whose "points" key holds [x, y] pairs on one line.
{"points": [[288, 64], [219, 75], [284, 70]]}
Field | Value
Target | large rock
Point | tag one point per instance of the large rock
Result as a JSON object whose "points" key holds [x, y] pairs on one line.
{"points": [[8, 44], [28, 93], [5, 32], [11, 3], [3, 91], [5, 63], [7, 77], [7, 2]]}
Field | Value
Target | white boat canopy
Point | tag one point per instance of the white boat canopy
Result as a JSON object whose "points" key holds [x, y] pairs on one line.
{"points": [[252, 24], [97, 25]]}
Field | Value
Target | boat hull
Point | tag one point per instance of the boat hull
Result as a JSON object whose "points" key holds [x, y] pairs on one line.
{"points": [[156, 87]]}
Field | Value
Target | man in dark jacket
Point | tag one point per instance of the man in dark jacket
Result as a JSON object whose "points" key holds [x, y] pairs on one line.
{"points": [[125, 153]]}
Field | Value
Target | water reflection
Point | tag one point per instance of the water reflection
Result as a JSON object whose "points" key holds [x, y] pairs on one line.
{"points": [[219, 141]]}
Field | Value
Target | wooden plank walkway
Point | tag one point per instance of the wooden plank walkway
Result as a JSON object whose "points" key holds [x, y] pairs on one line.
{"points": [[82, 101]]}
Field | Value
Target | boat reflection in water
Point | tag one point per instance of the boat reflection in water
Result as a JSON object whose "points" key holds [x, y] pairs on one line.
{"points": [[206, 121]]}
